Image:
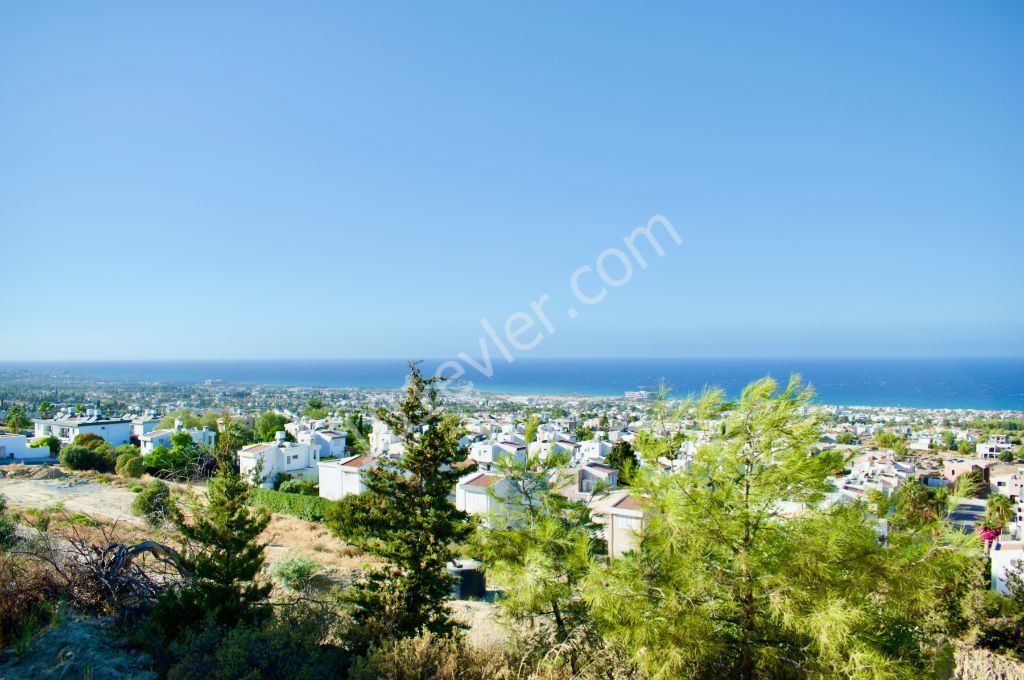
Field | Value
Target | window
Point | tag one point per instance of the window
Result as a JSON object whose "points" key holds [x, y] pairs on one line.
{"points": [[623, 522]]}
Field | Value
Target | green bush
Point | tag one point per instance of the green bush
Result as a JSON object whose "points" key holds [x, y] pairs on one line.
{"points": [[90, 441], [76, 457], [303, 486], [312, 508], [163, 459], [295, 573], [50, 441], [154, 503], [7, 528], [129, 465]]}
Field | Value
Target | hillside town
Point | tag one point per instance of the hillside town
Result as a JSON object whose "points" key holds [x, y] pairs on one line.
{"points": [[323, 441]]}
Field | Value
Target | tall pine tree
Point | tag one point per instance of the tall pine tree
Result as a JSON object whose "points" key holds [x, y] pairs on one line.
{"points": [[406, 519], [223, 555]]}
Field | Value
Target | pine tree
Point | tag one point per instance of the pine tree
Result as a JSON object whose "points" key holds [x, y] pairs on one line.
{"points": [[541, 545], [743, 572], [223, 555], [407, 519]]}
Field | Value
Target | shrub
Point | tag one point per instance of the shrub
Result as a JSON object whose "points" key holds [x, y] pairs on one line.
{"points": [[7, 526], [295, 573], [295, 644], [165, 460], [154, 503], [50, 441], [312, 508], [303, 486], [129, 465], [89, 440], [428, 656], [77, 457]]}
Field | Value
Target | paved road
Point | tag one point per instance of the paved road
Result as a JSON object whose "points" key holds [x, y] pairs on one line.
{"points": [[968, 513]]}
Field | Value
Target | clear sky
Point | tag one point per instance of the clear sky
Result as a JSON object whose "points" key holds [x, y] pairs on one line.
{"points": [[307, 180]]}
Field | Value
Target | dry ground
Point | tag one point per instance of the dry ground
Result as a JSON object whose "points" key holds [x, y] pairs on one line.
{"points": [[286, 537], [90, 498]]}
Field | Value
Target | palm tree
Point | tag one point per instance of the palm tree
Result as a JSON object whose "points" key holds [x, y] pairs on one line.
{"points": [[999, 510], [16, 419]]}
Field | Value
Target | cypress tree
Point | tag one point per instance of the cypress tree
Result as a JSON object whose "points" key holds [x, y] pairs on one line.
{"points": [[406, 518]]}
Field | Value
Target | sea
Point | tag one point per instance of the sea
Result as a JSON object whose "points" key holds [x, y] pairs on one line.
{"points": [[991, 384]]}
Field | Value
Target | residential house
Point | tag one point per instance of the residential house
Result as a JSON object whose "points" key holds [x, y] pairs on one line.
{"points": [[486, 454], [67, 425], [204, 437], [279, 457], [954, 468], [1007, 479], [344, 476], [624, 526], [1006, 558], [15, 447], [472, 497], [329, 443]]}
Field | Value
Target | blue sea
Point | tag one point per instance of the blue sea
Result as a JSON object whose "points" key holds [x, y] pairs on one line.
{"points": [[927, 383]]}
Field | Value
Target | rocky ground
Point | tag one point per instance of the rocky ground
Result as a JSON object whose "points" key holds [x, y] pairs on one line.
{"points": [[80, 647]]}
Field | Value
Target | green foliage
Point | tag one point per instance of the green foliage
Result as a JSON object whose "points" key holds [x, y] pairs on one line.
{"points": [[224, 557], [999, 510], [295, 644], [91, 441], [540, 546], [728, 583], [583, 434], [311, 508], [530, 429], [623, 458], [846, 438], [303, 486], [189, 420], [50, 441], [7, 526], [1007, 457], [16, 420], [269, 424], [76, 457], [407, 520], [948, 440], [295, 573], [892, 441], [129, 465], [965, 447], [154, 503]]}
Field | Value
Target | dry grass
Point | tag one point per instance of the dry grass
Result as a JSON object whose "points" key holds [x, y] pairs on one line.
{"points": [[294, 537]]}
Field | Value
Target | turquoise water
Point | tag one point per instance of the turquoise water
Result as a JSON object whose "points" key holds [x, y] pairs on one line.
{"points": [[927, 383]]}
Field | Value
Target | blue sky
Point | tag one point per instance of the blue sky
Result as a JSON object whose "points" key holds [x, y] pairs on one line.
{"points": [[371, 180]]}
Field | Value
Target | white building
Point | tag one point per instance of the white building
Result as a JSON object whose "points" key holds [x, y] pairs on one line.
{"points": [[15, 446], [1007, 558], [148, 442], [279, 457], [382, 438], [624, 526], [144, 424], [67, 425], [487, 453], [343, 477], [594, 451], [472, 497], [329, 443]]}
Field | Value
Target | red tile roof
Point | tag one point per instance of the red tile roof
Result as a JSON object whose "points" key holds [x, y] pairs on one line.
{"points": [[628, 503], [358, 462], [483, 479]]}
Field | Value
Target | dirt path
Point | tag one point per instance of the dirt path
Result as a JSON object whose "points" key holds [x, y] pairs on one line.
{"points": [[88, 498]]}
